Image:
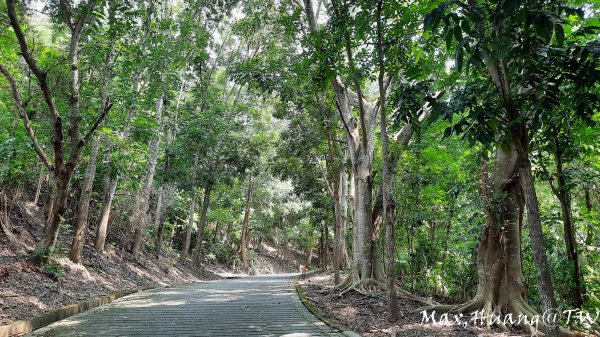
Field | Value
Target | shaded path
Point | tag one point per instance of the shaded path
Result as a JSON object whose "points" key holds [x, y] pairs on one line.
{"points": [[250, 306]]}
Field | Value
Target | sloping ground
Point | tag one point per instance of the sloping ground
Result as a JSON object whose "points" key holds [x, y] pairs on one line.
{"points": [[269, 260], [28, 289], [367, 315]]}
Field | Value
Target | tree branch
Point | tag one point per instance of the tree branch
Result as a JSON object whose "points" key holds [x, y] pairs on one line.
{"points": [[67, 11], [341, 91], [42, 81], [23, 115], [75, 151], [107, 106], [329, 189], [40, 75], [403, 136]]}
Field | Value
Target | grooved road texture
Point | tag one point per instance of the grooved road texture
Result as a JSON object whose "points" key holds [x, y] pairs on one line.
{"points": [[249, 306]]}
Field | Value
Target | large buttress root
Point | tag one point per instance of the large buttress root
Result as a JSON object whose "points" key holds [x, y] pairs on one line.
{"points": [[372, 279], [500, 291], [517, 315]]}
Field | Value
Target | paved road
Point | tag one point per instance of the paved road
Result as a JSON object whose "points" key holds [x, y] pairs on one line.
{"points": [[250, 306]]}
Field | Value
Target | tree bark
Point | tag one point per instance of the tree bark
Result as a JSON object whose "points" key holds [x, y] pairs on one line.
{"points": [[386, 218], [158, 223], [141, 205], [5, 220], [323, 251], [337, 233], [246, 226], [83, 207], [48, 203], [589, 236], [197, 255], [109, 193], [61, 169], [343, 217], [498, 71], [111, 187], [564, 198], [188, 235], [215, 238], [501, 288], [38, 188], [309, 254], [366, 271], [59, 203], [536, 237]]}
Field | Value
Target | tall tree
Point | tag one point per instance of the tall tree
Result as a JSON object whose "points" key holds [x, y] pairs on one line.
{"points": [[139, 57], [385, 180], [84, 204], [246, 227], [66, 151], [366, 270], [505, 44]]}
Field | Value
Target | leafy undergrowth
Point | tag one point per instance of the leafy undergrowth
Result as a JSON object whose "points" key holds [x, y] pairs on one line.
{"points": [[367, 315], [28, 288]]}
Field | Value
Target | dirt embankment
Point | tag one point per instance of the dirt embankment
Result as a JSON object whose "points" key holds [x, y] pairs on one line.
{"points": [[368, 315], [28, 288]]}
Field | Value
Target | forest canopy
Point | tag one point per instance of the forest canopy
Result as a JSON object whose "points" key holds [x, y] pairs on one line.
{"points": [[449, 149]]}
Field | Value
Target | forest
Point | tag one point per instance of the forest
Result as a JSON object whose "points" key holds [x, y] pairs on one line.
{"points": [[449, 150]]}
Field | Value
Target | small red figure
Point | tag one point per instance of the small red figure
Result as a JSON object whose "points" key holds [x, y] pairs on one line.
{"points": [[303, 270]]}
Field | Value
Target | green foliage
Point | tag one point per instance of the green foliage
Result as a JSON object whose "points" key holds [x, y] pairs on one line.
{"points": [[54, 269], [247, 93], [41, 255]]}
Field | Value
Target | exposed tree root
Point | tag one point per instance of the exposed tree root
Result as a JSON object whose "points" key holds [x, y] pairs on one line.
{"points": [[362, 285], [426, 301]]}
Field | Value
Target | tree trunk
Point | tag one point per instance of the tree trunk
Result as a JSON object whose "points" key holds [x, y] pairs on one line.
{"points": [[246, 226], [188, 235], [387, 214], [537, 242], [501, 289], [111, 186], [141, 205], [48, 202], [569, 230], [337, 233], [521, 173], [5, 220], [501, 283], [38, 188], [332, 179], [589, 236], [365, 268], [197, 256], [449, 224], [343, 263], [215, 238], [227, 233], [323, 251], [83, 207], [109, 193], [55, 215], [158, 223], [309, 254], [536, 234]]}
